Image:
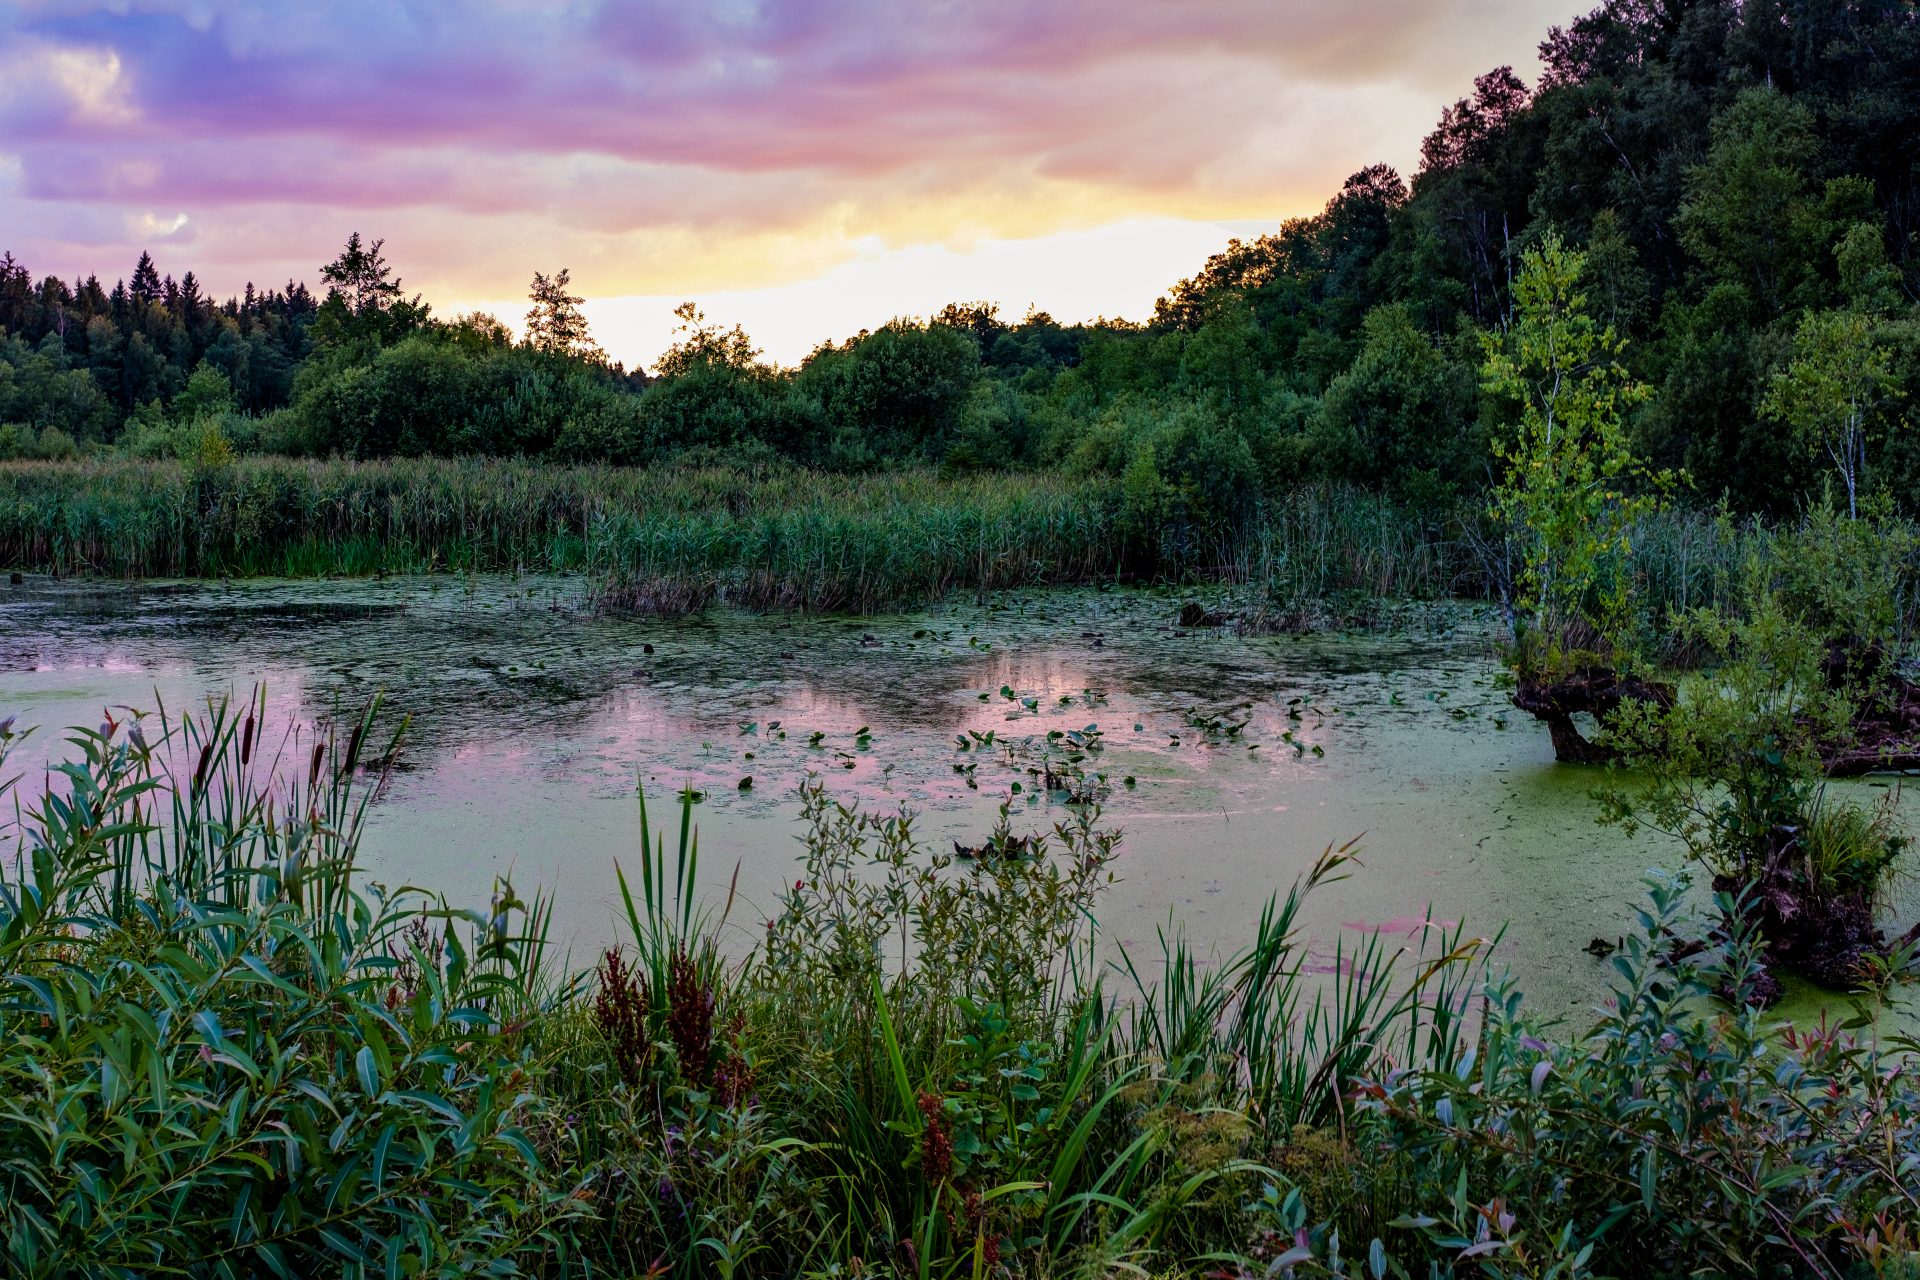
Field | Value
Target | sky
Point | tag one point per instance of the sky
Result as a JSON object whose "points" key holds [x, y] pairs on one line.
{"points": [[805, 168]]}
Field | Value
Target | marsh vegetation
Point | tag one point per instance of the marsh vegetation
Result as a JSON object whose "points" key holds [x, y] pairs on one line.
{"points": [[233, 1055], [1624, 379]]}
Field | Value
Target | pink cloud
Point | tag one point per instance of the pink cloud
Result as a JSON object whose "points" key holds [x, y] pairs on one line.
{"points": [[718, 117]]}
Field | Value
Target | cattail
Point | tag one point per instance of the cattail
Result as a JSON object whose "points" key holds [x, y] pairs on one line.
{"points": [[319, 756], [246, 741], [353, 748], [200, 770]]}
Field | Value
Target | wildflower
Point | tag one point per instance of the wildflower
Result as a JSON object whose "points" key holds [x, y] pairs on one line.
{"points": [[690, 1018], [620, 1008], [936, 1142]]}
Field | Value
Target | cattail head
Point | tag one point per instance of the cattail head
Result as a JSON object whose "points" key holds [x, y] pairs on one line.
{"points": [[353, 747]]}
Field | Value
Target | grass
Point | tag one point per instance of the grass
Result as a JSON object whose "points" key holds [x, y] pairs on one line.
{"points": [[225, 1053], [675, 539]]}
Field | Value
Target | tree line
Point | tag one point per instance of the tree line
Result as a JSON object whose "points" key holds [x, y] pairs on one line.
{"points": [[1740, 177]]}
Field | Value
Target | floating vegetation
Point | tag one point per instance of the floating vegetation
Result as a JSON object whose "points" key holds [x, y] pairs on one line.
{"points": [[1219, 726]]}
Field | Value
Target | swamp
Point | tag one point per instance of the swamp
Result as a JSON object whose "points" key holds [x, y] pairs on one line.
{"points": [[1389, 756], [1228, 761]]}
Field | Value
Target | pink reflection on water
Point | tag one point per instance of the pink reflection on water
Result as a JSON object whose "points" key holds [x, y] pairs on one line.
{"points": [[1345, 966]]}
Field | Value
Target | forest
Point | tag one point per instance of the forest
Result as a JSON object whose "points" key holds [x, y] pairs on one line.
{"points": [[1741, 178]]}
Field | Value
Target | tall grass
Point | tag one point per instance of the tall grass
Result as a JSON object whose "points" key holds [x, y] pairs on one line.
{"points": [[222, 1055], [256, 1063], [778, 537], [774, 538]]}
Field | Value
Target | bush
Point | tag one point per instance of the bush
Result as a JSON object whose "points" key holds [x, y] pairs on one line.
{"points": [[1735, 766], [221, 1055], [24, 443], [429, 395]]}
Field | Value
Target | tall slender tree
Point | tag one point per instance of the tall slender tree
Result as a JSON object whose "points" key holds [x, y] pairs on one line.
{"points": [[555, 324]]}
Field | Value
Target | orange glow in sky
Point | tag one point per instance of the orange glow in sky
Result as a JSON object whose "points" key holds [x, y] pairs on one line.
{"points": [[806, 168]]}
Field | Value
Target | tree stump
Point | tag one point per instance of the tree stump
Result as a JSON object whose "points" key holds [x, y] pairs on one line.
{"points": [[1598, 691]]}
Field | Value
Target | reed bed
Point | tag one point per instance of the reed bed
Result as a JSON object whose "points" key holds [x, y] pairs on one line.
{"points": [[835, 545], [674, 540]]}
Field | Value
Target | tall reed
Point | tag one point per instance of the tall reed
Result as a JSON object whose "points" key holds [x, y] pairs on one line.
{"points": [[224, 1053], [772, 538]]}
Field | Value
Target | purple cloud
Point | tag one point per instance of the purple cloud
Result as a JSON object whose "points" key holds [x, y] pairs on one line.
{"points": [[603, 118]]}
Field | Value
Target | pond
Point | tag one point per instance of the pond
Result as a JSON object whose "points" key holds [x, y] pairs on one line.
{"points": [[1232, 761]]}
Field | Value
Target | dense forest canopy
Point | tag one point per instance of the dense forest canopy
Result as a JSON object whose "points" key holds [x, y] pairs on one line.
{"points": [[1742, 178]]}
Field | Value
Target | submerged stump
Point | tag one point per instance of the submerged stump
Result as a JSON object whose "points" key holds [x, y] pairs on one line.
{"points": [[1885, 737], [1827, 937]]}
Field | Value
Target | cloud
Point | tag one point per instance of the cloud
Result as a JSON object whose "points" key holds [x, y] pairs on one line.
{"points": [[52, 85], [743, 141], [152, 228]]}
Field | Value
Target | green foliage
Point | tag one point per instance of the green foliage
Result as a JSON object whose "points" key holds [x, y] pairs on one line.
{"points": [[1736, 759], [1393, 418], [1660, 1142], [208, 392], [364, 308], [1735, 767], [1566, 493], [23, 443], [222, 1057], [230, 1056], [899, 393], [425, 395], [1832, 390], [1751, 215], [555, 325], [765, 537], [40, 391]]}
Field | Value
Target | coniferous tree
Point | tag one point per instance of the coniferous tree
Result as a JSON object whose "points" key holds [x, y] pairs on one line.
{"points": [[555, 324], [146, 280]]}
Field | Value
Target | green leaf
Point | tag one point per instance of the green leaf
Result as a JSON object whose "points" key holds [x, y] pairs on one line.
{"points": [[368, 1069]]}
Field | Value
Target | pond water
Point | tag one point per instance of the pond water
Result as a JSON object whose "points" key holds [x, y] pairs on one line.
{"points": [[532, 718]]}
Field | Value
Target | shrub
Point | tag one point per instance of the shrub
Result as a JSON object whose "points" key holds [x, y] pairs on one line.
{"points": [[221, 1055]]}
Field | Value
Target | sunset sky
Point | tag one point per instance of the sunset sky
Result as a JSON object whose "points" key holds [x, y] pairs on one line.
{"points": [[805, 168]]}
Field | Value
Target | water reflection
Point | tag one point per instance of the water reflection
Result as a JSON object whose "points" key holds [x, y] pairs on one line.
{"points": [[531, 720]]}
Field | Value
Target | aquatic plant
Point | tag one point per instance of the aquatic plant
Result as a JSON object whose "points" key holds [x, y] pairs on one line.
{"points": [[226, 1053], [674, 539]]}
